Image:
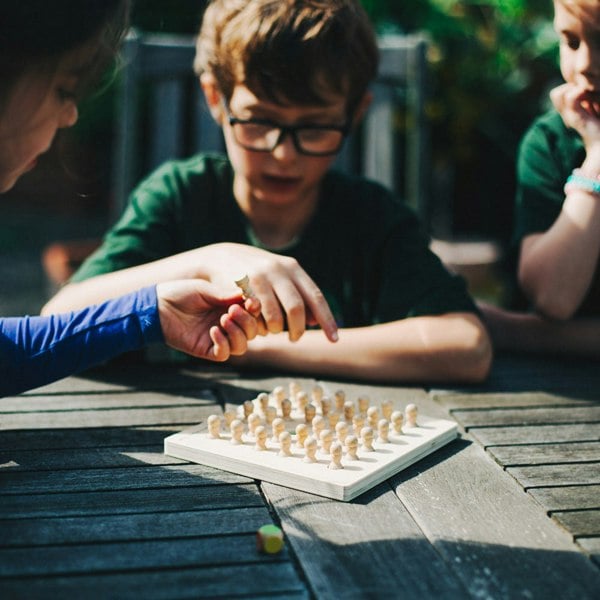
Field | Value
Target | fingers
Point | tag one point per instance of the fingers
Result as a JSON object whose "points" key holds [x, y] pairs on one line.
{"points": [[291, 299], [237, 327], [220, 350], [283, 305], [240, 327], [319, 310], [575, 104], [266, 290], [252, 305]]}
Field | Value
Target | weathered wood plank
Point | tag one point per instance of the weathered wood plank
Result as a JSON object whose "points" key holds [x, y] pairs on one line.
{"points": [[52, 439], [181, 416], [592, 547], [114, 528], [95, 480], [539, 454], [124, 556], [573, 377], [496, 537], [368, 548], [132, 501], [512, 400], [536, 434], [84, 458], [275, 580], [26, 404], [527, 416], [567, 497], [581, 523], [548, 475], [120, 377]]}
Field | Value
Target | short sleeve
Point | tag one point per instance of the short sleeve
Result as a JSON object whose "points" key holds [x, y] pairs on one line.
{"points": [[547, 155]]}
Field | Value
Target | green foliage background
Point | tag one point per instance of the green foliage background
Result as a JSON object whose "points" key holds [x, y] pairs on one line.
{"points": [[492, 64]]}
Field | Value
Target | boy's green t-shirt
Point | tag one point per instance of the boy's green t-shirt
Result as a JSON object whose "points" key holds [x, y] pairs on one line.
{"points": [[363, 248], [548, 154]]}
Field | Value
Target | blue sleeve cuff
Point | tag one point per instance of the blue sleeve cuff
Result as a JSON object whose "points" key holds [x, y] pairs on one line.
{"points": [[149, 318]]}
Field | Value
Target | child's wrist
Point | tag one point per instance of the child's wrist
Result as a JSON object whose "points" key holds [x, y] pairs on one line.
{"points": [[591, 164], [583, 181]]}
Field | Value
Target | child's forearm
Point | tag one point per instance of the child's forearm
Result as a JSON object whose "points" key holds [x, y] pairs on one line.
{"points": [[557, 267], [74, 296], [527, 332], [453, 347]]}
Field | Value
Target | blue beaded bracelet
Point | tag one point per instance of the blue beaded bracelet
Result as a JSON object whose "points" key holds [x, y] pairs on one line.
{"points": [[580, 182]]}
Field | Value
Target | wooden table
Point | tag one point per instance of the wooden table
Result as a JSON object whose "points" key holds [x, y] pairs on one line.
{"points": [[90, 505]]}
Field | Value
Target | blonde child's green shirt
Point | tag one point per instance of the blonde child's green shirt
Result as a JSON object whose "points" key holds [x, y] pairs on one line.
{"points": [[548, 154]]}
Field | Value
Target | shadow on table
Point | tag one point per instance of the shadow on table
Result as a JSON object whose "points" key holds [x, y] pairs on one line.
{"points": [[575, 377]]}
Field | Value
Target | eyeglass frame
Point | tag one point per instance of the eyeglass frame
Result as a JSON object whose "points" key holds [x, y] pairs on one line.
{"points": [[284, 130]]}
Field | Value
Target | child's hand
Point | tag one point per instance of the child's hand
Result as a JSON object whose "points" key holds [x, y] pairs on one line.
{"points": [[199, 319], [290, 299], [580, 110]]}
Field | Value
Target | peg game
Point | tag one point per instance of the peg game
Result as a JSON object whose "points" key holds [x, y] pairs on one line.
{"points": [[327, 445]]}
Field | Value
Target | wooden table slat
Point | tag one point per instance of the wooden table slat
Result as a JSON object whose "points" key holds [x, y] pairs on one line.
{"points": [[74, 439], [580, 522], [125, 556], [514, 400], [509, 436], [200, 398], [144, 526], [592, 547], [546, 475], [567, 497], [127, 417], [133, 377], [539, 454], [69, 459], [527, 416], [94, 480], [275, 580], [133, 501]]}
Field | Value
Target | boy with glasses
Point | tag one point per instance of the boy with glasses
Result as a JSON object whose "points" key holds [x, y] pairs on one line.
{"points": [[286, 80]]}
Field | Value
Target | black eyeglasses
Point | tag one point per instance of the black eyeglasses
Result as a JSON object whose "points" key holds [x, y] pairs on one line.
{"points": [[262, 135]]}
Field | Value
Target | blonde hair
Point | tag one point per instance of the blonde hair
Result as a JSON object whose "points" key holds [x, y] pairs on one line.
{"points": [[289, 51], [585, 10]]}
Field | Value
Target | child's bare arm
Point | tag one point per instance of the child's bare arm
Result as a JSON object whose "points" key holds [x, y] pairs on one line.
{"points": [[556, 267], [528, 332], [451, 347], [289, 297]]}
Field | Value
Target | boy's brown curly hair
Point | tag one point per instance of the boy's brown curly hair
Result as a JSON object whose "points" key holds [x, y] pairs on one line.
{"points": [[289, 51]]}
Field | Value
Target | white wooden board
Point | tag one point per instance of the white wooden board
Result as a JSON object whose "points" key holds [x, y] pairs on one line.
{"points": [[356, 476]]}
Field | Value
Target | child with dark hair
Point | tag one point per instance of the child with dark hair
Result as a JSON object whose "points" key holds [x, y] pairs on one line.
{"points": [[48, 52]]}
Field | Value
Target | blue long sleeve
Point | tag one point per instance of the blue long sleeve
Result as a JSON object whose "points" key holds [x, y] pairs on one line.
{"points": [[37, 350]]}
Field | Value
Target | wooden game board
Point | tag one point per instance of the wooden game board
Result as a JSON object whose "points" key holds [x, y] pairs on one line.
{"points": [[356, 476]]}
